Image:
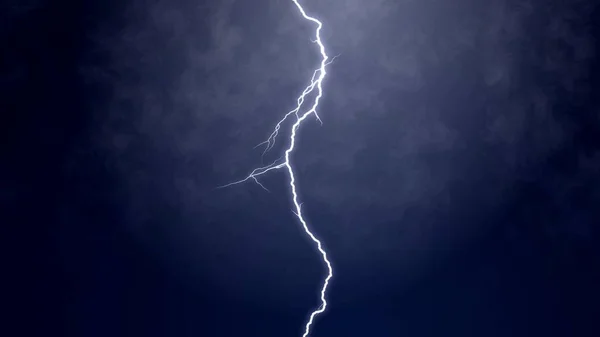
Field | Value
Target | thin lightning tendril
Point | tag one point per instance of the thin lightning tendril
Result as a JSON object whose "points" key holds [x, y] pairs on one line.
{"points": [[285, 162]]}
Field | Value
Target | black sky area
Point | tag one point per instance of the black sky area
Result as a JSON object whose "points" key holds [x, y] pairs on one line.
{"points": [[455, 181]]}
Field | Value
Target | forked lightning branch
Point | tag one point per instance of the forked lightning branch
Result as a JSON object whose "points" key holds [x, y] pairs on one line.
{"points": [[285, 162]]}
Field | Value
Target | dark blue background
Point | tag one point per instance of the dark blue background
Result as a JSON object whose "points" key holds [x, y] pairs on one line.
{"points": [[115, 135]]}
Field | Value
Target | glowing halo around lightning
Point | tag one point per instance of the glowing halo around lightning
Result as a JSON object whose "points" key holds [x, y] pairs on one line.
{"points": [[285, 163]]}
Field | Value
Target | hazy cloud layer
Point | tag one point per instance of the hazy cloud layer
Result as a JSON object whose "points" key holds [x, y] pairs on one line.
{"points": [[432, 107]]}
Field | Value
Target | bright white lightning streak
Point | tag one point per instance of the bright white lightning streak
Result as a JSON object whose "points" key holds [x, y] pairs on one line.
{"points": [[284, 162]]}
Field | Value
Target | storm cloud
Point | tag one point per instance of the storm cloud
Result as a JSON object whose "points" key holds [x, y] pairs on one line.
{"points": [[432, 113]]}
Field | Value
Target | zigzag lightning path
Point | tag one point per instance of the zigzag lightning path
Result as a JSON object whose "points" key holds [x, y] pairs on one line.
{"points": [[285, 162]]}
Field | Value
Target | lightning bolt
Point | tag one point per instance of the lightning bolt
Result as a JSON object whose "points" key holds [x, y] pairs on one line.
{"points": [[285, 162]]}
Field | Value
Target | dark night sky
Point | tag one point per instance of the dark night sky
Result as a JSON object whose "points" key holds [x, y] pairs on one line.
{"points": [[455, 180]]}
